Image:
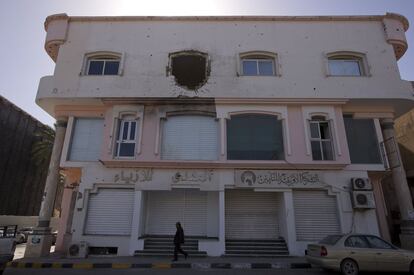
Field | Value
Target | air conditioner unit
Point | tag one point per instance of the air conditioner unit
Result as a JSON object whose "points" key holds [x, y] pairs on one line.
{"points": [[78, 250], [363, 199], [361, 184]]}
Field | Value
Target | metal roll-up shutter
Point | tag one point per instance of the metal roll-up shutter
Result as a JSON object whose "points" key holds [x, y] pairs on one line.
{"points": [[251, 215], [165, 208], [190, 138], [86, 141], [110, 212], [316, 215]]}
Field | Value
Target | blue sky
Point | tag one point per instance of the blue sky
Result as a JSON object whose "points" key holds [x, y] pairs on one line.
{"points": [[21, 25]]}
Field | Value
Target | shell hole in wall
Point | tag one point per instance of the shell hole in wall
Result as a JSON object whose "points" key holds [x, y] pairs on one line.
{"points": [[189, 70]]}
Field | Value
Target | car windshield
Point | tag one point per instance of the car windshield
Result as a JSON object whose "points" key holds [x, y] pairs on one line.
{"points": [[331, 239]]}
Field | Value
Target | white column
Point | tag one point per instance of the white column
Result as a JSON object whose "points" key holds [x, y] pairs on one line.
{"points": [[38, 244], [222, 221], [134, 243], [399, 178], [290, 221]]}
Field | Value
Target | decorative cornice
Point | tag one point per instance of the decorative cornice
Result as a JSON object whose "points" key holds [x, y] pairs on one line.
{"points": [[327, 165], [280, 101], [230, 18]]}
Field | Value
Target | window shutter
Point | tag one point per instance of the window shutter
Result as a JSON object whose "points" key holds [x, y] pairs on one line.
{"points": [[86, 139], [190, 138]]}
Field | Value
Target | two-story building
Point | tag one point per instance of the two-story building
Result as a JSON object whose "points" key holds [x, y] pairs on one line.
{"points": [[265, 129]]}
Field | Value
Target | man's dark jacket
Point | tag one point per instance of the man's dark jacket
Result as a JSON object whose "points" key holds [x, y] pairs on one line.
{"points": [[179, 236]]}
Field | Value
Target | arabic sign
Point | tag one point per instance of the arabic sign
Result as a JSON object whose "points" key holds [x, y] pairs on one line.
{"points": [[139, 175], [276, 178], [193, 176]]}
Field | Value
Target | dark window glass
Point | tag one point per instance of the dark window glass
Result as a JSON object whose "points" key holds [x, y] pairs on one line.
{"points": [[127, 149], [324, 128], [356, 241], [316, 150], [95, 67], [249, 67], [132, 134], [331, 239], [327, 150], [111, 67], [377, 243], [362, 140], [254, 137], [125, 131], [314, 127], [265, 67]]}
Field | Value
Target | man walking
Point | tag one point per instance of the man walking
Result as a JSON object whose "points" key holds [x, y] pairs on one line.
{"points": [[178, 240]]}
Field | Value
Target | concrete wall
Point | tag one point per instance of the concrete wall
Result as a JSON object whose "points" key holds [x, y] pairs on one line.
{"points": [[300, 47], [26, 221]]}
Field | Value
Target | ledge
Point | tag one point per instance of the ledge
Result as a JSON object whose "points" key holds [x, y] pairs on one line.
{"points": [[328, 165]]}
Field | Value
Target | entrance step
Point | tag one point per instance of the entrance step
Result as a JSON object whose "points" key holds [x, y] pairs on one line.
{"points": [[164, 246], [256, 248]]}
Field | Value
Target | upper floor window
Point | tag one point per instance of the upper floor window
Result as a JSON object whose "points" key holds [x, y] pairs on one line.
{"points": [[126, 137], [189, 68], [190, 137], [347, 64], [103, 63], [321, 138], [362, 140], [258, 64], [86, 139], [255, 137]]}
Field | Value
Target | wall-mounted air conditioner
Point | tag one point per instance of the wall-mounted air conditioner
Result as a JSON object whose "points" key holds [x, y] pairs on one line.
{"points": [[78, 250], [363, 199], [361, 184]]}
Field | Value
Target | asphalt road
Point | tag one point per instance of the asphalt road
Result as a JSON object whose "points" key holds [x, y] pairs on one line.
{"points": [[167, 272], [313, 271]]}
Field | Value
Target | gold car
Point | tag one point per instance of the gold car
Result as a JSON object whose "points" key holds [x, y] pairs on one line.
{"points": [[352, 253]]}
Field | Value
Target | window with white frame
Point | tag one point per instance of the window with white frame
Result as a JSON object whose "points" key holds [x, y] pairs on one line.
{"points": [[86, 139], [321, 138], [189, 137], [342, 64], [126, 142], [103, 65], [258, 64]]}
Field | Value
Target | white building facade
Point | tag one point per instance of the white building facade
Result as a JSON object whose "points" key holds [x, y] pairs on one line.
{"points": [[241, 128]]}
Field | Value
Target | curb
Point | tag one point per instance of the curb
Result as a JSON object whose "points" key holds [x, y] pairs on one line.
{"points": [[86, 265]]}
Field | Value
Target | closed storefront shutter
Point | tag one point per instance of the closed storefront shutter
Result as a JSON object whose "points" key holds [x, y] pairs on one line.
{"points": [[110, 212], [251, 215], [165, 208], [190, 138], [316, 215]]}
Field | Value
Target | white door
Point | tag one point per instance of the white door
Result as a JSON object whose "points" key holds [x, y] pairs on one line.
{"points": [[251, 215], [316, 215], [110, 212], [165, 208]]}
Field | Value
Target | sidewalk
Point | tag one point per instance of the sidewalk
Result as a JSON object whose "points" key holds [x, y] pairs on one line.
{"points": [[55, 261]]}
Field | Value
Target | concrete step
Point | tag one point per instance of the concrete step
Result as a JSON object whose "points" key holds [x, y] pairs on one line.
{"points": [[169, 254], [228, 248], [255, 255], [169, 247], [256, 248]]}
